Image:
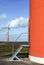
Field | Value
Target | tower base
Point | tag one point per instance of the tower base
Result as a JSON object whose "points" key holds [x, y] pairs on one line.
{"points": [[36, 59]]}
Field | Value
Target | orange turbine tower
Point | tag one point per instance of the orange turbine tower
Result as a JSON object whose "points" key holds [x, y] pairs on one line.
{"points": [[36, 52]]}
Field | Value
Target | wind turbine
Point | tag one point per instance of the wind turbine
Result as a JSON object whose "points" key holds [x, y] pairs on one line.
{"points": [[8, 32], [8, 27]]}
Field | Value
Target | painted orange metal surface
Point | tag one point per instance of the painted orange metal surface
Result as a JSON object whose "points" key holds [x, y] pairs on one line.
{"points": [[37, 28]]}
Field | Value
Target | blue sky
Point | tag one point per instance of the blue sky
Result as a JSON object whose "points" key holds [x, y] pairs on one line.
{"points": [[11, 10]]}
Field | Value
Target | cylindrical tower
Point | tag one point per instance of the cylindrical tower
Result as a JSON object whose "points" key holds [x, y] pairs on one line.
{"points": [[36, 52]]}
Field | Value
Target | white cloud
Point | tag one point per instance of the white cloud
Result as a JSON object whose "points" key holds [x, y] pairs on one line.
{"points": [[19, 22], [3, 16]]}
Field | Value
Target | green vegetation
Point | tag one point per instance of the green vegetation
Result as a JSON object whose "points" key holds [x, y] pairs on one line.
{"points": [[6, 48]]}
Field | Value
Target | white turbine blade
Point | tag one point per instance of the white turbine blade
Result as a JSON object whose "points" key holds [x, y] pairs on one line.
{"points": [[13, 27], [2, 28]]}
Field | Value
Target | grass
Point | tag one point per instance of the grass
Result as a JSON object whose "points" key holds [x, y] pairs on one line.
{"points": [[6, 48]]}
